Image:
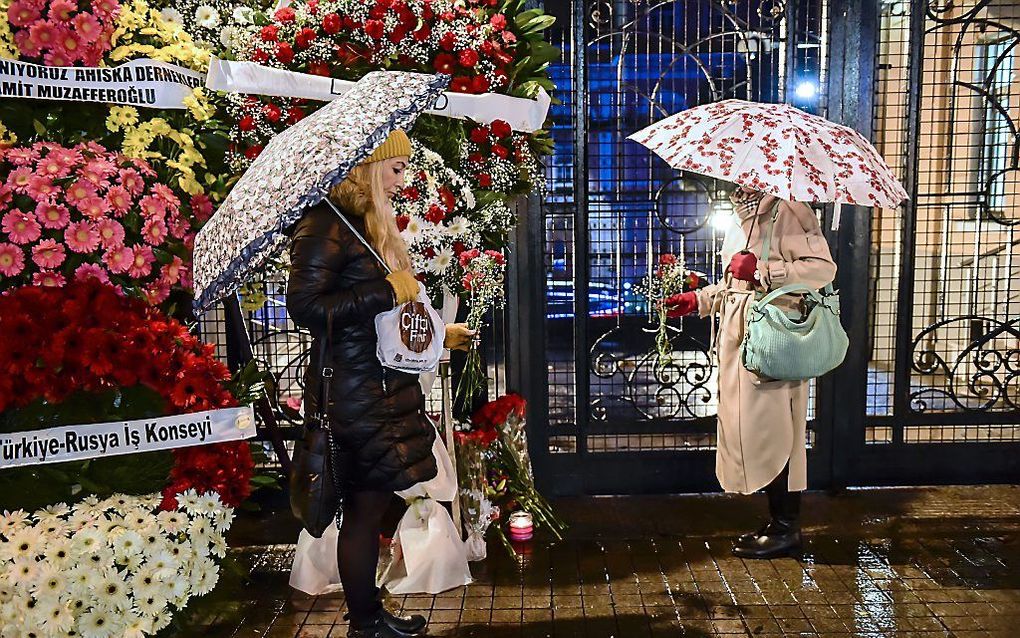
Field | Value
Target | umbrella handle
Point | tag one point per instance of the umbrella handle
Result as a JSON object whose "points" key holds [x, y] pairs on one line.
{"points": [[358, 235]]}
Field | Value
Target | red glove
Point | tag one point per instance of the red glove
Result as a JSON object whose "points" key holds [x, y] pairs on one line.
{"points": [[743, 266], [681, 305]]}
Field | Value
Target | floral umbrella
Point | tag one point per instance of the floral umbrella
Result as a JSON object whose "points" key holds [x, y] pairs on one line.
{"points": [[776, 149], [296, 170]]}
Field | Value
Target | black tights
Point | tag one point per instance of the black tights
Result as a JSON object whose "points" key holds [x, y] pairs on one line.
{"points": [[358, 552]]}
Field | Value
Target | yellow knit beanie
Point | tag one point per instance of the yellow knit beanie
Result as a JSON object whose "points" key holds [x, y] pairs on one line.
{"points": [[396, 145]]}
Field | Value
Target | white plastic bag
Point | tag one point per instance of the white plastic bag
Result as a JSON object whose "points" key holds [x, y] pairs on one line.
{"points": [[315, 570], [428, 553], [410, 337]]}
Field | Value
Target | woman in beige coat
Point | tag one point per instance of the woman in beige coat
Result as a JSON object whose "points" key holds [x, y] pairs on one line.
{"points": [[762, 423]]}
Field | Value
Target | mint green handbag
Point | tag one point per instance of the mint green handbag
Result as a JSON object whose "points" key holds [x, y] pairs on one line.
{"points": [[793, 348]]}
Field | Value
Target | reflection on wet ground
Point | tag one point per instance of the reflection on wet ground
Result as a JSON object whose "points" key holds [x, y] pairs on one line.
{"points": [[903, 563]]}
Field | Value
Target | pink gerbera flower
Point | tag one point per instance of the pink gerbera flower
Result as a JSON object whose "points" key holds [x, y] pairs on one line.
{"points": [[79, 191], [87, 27], [118, 260], [48, 254], [163, 192], [97, 170], [152, 206], [20, 156], [179, 227], [52, 215], [66, 157], [48, 279], [91, 271], [42, 34], [21, 228], [93, 207], [131, 181], [119, 199], [22, 13], [26, 46], [171, 273], [12, 260], [81, 237], [141, 265], [111, 233], [68, 41], [154, 231], [41, 189], [19, 178], [51, 167], [60, 10], [6, 195], [186, 281], [105, 8], [157, 292]]}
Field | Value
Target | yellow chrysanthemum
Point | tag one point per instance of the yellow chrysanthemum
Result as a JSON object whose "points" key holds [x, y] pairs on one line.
{"points": [[7, 137], [121, 117]]}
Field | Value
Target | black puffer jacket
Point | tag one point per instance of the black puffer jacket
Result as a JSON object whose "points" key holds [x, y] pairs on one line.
{"points": [[381, 425]]}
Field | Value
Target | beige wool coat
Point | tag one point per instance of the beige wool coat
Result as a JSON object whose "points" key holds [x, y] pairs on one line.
{"points": [[762, 423]]}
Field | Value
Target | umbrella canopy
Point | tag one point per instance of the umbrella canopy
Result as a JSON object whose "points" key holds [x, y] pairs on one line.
{"points": [[776, 149], [296, 170]]}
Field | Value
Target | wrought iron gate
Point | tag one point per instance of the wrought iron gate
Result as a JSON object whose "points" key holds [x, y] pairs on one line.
{"points": [[918, 388]]}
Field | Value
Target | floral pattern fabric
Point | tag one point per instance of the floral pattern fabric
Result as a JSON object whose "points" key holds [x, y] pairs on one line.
{"points": [[775, 149], [296, 170]]}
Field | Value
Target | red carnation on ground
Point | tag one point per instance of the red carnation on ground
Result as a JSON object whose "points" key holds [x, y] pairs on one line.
{"points": [[436, 214], [498, 21]]}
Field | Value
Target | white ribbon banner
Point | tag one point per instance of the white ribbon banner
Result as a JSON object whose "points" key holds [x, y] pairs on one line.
{"points": [[141, 82], [80, 442], [522, 114]]}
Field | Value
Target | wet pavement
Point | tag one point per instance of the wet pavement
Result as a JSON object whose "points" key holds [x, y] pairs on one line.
{"points": [[904, 563]]}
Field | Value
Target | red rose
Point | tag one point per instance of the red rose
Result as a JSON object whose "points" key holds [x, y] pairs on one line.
{"points": [[402, 221], [270, 33], [498, 21], [476, 158], [479, 135], [313, 6], [294, 115], [253, 151], [446, 196], [484, 180], [272, 112], [318, 68], [331, 23], [500, 151], [247, 123], [397, 35], [304, 38], [501, 129], [375, 29], [448, 41], [460, 85], [285, 14], [436, 214], [351, 24], [479, 84], [468, 57], [667, 259], [284, 52], [444, 63]]}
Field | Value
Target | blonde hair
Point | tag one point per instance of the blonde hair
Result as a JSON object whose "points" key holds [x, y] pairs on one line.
{"points": [[361, 194]]}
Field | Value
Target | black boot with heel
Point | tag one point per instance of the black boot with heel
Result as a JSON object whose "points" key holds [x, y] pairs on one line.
{"points": [[781, 535]]}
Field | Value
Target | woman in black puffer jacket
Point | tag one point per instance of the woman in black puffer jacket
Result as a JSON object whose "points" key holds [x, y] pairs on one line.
{"points": [[377, 414]]}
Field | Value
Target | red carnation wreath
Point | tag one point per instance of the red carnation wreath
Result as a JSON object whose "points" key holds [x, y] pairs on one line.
{"points": [[88, 338]]}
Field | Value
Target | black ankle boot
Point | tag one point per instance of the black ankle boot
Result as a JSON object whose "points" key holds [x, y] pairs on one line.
{"points": [[403, 625], [781, 537], [377, 628]]}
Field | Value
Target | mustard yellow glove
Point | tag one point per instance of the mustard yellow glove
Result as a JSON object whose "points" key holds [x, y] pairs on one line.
{"points": [[458, 336], [404, 285]]}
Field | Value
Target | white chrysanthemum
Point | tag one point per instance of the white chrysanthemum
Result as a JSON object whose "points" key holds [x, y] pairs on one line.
{"points": [[200, 531], [79, 580], [139, 519], [21, 572], [161, 621], [52, 512], [99, 622], [89, 501], [223, 519], [24, 543], [6, 593], [164, 562], [88, 540], [150, 501], [207, 17], [188, 500], [458, 226], [127, 544], [80, 520], [414, 229], [56, 616], [441, 261], [172, 16], [242, 15], [50, 582], [133, 562], [54, 529], [100, 558], [218, 546], [58, 552], [228, 37], [134, 626], [206, 580], [11, 522], [172, 522], [209, 503], [112, 591]]}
